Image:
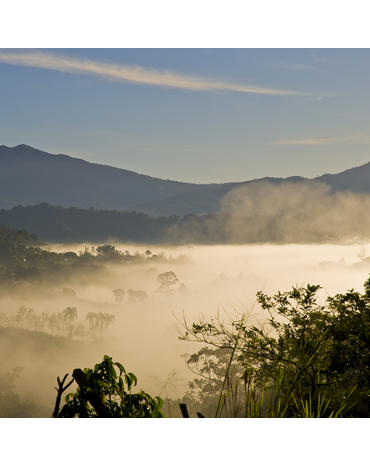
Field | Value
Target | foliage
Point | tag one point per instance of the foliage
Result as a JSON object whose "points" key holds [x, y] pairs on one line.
{"points": [[103, 393], [71, 314], [26, 260], [99, 321], [108, 251], [183, 289], [210, 366], [134, 295], [119, 294], [59, 323], [77, 225], [166, 281], [307, 356]]}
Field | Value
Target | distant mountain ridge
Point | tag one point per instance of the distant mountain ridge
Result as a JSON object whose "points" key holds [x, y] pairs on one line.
{"points": [[29, 176], [353, 179]]}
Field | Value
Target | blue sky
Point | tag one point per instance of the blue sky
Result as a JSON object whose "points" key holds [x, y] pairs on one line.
{"points": [[197, 115]]}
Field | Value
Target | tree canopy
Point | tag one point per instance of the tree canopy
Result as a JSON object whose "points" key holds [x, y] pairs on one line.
{"points": [[305, 352], [102, 392]]}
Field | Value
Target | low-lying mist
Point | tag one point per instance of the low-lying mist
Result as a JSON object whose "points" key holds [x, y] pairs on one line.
{"points": [[296, 212], [143, 334], [279, 212]]}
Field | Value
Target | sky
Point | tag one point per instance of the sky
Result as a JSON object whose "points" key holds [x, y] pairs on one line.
{"points": [[202, 115]]}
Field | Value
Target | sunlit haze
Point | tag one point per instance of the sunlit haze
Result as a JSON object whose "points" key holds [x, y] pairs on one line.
{"points": [[258, 183]]}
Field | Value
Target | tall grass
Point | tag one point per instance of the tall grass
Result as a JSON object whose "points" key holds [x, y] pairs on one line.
{"points": [[280, 399]]}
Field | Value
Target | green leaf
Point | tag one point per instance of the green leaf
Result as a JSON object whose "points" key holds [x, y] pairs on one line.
{"points": [[120, 367], [133, 378]]}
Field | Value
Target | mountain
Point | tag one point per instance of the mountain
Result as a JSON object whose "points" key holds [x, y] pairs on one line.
{"points": [[208, 199], [29, 176], [205, 200], [354, 179]]}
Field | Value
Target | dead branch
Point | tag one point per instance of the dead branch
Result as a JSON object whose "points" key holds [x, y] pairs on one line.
{"points": [[60, 391]]}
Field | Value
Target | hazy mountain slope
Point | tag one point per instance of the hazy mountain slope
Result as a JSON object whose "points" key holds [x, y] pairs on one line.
{"points": [[209, 198], [29, 176], [202, 201], [354, 179]]}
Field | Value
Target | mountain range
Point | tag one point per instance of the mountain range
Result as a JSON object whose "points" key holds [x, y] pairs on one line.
{"points": [[30, 176]]}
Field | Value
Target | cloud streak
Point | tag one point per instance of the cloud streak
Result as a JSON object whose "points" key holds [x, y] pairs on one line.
{"points": [[133, 74], [356, 139]]}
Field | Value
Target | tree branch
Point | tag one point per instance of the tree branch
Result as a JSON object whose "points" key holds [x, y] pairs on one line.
{"points": [[60, 391]]}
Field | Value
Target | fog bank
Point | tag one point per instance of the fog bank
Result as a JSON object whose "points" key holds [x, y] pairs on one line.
{"points": [[144, 335]]}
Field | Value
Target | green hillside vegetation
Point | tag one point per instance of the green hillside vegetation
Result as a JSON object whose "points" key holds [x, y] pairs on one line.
{"points": [[26, 264]]}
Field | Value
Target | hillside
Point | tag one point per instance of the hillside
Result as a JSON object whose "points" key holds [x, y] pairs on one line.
{"points": [[29, 176], [60, 225], [207, 200], [354, 179]]}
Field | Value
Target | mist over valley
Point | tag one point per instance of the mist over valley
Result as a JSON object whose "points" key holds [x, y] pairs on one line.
{"points": [[184, 233], [123, 281], [104, 267]]}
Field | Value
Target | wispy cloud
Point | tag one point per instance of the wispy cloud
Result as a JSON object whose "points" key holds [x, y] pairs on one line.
{"points": [[294, 66], [133, 74], [354, 139]]}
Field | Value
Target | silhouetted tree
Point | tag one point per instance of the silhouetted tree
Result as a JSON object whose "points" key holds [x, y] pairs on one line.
{"points": [[52, 324], [29, 317], [119, 294], [22, 311], [91, 318], [108, 319], [71, 314], [182, 289], [166, 281], [80, 331], [139, 295]]}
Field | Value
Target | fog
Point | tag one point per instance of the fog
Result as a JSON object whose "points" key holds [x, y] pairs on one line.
{"points": [[308, 211], [144, 334]]}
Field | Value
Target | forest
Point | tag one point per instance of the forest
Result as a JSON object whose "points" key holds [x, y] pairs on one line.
{"points": [[269, 223], [293, 353]]}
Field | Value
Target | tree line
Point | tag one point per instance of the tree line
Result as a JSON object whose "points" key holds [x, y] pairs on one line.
{"points": [[24, 258], [60, 323], [60, 225]]}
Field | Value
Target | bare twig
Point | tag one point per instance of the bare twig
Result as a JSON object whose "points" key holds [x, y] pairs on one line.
{"points": [[60, 391]]}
